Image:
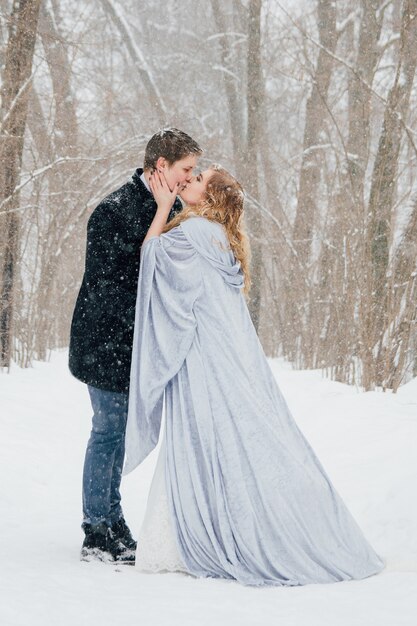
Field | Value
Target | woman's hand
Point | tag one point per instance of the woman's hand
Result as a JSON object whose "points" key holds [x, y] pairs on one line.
{"points": [[163, 195], [164, 198]]}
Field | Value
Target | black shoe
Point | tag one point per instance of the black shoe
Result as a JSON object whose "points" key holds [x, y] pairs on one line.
{"points": [[100, 545], [121, 531], [94, 546]]}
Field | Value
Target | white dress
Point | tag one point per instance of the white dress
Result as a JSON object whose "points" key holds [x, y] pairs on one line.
{"points": [[157, 549]]}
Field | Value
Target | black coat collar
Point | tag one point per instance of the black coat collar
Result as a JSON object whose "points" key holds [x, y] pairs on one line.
{"points": [[142, 189]]}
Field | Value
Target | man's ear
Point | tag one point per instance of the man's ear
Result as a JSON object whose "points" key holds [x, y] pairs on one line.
{"points": [[161, 163]]}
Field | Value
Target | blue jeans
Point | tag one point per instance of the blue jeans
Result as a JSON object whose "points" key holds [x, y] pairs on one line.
{"points": [[104, 457]]}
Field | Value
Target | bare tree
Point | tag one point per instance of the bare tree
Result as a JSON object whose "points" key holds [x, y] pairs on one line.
{"points": [[138, 59], [382, 199], [255, 101], [341, 255], [14, 103], [301, 304], [403, 309], [315, 132], [246, 127]]}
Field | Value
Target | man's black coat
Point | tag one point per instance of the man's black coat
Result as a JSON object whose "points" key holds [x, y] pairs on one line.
{"points": [[104, 315]]}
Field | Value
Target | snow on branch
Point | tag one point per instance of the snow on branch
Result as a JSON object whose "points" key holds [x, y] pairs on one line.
{"points": [[242, 36], [384, 45], [221, 68], [341, 26], [42, 170]]}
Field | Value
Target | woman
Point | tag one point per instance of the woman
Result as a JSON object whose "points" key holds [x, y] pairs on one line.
{"points": [[238, 492]]}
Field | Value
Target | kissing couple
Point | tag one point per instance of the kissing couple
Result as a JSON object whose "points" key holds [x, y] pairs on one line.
{"points": [[162, 336]]}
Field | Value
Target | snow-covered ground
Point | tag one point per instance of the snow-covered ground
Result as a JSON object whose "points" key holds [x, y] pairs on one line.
{"points": [[366, 441]]}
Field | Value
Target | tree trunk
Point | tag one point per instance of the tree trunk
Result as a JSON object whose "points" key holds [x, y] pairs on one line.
{"points": [[64, 140], [300, 303], [233, 93], [245, 134], [255, 101], [14, 105], [403, 310], [342, 267], [382, 197], [314, 133], [139, 60]]}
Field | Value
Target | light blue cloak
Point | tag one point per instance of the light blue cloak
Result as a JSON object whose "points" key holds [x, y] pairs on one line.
{"points": [[249, 498]]}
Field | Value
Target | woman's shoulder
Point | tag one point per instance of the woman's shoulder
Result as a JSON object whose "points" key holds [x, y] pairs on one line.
{"points": [[201, 223], [203, 231]]}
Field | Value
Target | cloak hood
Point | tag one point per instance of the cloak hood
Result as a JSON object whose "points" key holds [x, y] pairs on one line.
{"points": [[210, 240]]}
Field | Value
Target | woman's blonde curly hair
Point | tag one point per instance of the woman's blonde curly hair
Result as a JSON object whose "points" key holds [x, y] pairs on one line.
{"points": [[223, 203]]}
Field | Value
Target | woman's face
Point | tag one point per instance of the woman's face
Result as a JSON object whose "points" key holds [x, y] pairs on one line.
{"points": [[193, 191]]}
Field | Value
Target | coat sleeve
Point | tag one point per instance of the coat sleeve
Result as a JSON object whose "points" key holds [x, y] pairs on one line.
{"points": [[169, 285]]}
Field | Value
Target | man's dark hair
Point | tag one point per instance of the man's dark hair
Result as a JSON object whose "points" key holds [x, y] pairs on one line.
{"points": [[170, 143]]}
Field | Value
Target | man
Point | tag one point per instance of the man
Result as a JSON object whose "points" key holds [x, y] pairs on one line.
{"points": [[102, 334]]}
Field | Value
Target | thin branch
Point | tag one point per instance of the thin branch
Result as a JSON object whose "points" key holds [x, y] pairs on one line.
{"points": [[42, 170]]}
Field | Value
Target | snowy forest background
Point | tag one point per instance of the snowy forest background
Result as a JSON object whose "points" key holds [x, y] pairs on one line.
{"points": [[311, 104]]}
